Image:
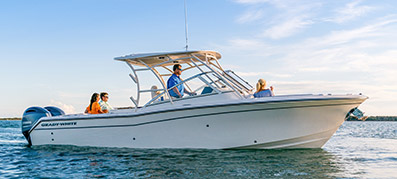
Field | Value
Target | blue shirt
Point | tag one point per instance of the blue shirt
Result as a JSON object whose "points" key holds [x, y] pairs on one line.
{"points": [[172, 81], [263, 93]]}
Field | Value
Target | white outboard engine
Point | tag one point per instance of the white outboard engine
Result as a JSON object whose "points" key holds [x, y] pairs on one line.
{"points": [[33, 114]]}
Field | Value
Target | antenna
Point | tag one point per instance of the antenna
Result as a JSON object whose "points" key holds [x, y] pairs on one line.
{"points": [[187, 44]]}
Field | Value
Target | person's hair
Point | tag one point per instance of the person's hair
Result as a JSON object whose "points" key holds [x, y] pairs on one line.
{"points": [[176, 67], [103, 94], [260, 85], [93, 99]]}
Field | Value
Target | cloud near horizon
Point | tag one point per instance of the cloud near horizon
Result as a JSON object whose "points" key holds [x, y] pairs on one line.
{"points": [[68, 109]]}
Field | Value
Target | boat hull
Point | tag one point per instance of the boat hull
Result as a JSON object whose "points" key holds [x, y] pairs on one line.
{"points": [[307, 123]]}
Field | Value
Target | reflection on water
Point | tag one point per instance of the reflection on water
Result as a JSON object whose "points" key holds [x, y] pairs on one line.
{"points": [[347, 154]]}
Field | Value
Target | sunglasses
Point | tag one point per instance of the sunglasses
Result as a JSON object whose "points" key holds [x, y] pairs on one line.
{"points": [[106, 96]]}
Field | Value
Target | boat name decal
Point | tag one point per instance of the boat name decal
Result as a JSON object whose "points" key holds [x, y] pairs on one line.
{"points": [[59, 124]]}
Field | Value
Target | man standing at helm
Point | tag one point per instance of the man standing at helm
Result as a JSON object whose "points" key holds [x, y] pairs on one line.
{"points": [[179, 90]]}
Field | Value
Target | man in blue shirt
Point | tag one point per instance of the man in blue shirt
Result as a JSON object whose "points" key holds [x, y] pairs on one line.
{"points": [[175, 79]]}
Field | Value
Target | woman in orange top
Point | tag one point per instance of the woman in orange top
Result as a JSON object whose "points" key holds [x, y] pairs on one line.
{"points": [[94, 107]]}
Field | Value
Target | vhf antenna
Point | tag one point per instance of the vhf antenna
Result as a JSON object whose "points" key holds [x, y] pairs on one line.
{"points": [[187, 44]]}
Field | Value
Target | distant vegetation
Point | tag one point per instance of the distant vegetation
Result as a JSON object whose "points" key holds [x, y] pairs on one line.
{"points": [[376, 118], [11, 119]]}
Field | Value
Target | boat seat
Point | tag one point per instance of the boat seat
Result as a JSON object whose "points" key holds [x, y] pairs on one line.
{"points": [[207, 90]]}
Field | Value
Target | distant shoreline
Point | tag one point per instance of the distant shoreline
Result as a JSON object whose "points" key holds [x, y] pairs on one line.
{"points": [[370, 118], [10, 119], [376, 118]]}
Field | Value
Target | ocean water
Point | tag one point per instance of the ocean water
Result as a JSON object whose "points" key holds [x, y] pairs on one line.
{"points": [[357, 150]]}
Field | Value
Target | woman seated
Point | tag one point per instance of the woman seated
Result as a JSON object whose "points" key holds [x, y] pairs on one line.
{"points": [[261, 91], [94, 107]]}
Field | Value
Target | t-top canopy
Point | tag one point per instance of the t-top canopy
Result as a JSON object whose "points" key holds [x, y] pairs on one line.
{"points": [[161, 58]]}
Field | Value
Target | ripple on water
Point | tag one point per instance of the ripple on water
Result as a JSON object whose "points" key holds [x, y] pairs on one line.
{"points": [[370, 129]]}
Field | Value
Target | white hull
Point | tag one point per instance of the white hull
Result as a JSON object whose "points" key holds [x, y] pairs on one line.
{"points": [[265, 123]]}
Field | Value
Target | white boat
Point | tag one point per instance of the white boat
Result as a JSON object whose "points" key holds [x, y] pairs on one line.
{"points": [[223, 115]]}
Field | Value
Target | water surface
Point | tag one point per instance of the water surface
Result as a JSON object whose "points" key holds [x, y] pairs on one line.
{"points": [[357, 150]]}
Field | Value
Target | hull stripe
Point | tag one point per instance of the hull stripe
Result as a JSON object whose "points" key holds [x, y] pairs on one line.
{"points": [[183, 117]]}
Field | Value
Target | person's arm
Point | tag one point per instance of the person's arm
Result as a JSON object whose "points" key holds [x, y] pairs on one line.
{"points": [[190, 93], [271, 90], [177, 92], [86, 110], [99, 109], [103, 107]]}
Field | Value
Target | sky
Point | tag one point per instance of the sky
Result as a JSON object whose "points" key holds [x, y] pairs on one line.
{"points": [[60, 52]]}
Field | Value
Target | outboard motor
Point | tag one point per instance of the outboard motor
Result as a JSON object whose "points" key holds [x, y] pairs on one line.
{"points": [[357, 114], [55, 111], [30, 117]]}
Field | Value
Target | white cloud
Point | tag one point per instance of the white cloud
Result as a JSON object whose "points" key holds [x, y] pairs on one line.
{"points": [[343, 36], [263, 74], [286, 28], [314, 69], [322, 86], [351, 11], [290, 5], [290, 19], [250, 47], [251, 16], [231, 66], [246, 44], [68, 109], [251, 1], [339, 50]]}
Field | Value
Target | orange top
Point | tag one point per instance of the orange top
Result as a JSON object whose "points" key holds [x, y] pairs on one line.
{"points": [[94, 109]]}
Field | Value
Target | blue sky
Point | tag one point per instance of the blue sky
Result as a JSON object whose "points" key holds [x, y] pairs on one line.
{"points": [[60, 52]]}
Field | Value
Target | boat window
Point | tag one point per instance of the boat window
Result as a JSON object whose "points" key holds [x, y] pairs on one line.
{"points": [[237, 80]]}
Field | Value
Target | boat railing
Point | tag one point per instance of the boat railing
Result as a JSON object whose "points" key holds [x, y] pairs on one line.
{"points": [[199, 76]]}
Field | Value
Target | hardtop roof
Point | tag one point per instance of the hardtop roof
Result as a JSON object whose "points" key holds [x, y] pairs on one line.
{"points": [[152, 59]]}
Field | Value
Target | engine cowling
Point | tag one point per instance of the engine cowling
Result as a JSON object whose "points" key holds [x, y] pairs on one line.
{"points": [[30, 117], [55, 111]]}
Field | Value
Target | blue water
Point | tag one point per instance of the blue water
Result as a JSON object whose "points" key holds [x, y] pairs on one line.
{"points": [[357, 150]]}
